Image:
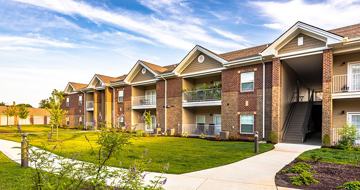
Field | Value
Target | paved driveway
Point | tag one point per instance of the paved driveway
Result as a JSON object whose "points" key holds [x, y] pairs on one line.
{"points": [[257, 172]]}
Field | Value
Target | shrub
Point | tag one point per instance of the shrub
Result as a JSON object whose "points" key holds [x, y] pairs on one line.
{"points": [[326, 140], [273, 137], [348, 136], [298, 168], [351, 185], [316, 158], [304, 178]]}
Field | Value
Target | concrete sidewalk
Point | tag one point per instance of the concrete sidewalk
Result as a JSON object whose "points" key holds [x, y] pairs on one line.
{"points": [[257, 172]]}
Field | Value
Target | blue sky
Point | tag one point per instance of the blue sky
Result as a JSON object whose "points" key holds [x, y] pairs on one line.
{"points": [[46, 43]]}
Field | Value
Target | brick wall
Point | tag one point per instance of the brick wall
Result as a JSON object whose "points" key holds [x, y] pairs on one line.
{"points": [[74, 110], [276, 93]]}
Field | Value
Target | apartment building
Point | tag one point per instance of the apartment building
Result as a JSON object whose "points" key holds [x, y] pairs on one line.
{"points": [[305, 84]]}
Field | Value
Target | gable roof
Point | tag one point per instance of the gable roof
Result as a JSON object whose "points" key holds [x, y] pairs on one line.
{"points": [[185, 61], [75, 86], [243, 53], [352, 31], [300, 27]]}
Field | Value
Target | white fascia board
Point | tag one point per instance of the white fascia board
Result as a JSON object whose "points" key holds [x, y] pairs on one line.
{"points": [[201, 73], [151, 81], [244, 61], [307, 52]]}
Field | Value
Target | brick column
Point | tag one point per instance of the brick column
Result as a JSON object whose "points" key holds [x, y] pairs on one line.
{"points": [[276, 98], [96, 110], [327, 108], [108, 115]]}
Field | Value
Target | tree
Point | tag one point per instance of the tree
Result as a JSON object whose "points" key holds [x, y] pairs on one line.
{"points": [[44, 103], [2, 103], [10, 111], [23, 113], [26, 105], [57, 114]]}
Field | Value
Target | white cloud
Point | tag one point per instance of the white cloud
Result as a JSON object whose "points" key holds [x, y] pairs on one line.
{"points": [[327, 14], [230, 35], [13, 43], [169, 32]]}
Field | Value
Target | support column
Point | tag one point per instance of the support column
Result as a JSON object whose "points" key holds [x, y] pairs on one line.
{"points": [[96, 110], [108, 107], [327, 107], [276, 100]]}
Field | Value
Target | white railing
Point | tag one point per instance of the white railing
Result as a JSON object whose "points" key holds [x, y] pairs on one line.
{"points": [[202, 95], [346, 83], [201, 129], [142, 127], [144, 100], [89, 105], [336, 137]]}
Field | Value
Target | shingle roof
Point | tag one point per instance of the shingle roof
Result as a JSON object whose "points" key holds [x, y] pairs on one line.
{"points": [[243, 53], [78, 86], [156, 68], [107, 79], [351, 31], [32, 111], [120, 78]]}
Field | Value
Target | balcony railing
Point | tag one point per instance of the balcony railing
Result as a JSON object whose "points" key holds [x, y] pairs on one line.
{"points": [[201, 129], [202, 95], [89, 105], [143, 127], [144, 101], [346, 83]]}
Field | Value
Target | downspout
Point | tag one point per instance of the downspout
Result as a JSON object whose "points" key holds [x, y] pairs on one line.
{"points": [[263, 101], [84, 109], [165, 106], [113, 106]]}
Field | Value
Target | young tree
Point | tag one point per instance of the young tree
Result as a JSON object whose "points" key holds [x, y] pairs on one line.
{"points": [[44, 103], [23, 113], [10, 111], [57, 114]]}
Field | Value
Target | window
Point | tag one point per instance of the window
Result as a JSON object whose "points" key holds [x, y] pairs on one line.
{"points": [[80, 100], [121, 96], [67, 101], [80, 120], [121, 121], [247, 82], [300, 41], [247, 124], [67, 120], [353, 118]]}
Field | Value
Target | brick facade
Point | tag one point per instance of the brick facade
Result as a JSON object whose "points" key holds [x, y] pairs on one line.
{"points": [[276, 97], [75, 109]]}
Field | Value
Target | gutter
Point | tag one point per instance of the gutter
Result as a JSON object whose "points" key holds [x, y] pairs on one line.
{"points": [[84, 109]]}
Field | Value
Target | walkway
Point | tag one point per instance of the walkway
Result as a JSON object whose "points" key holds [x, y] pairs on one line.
{"points": [[257, 172]]}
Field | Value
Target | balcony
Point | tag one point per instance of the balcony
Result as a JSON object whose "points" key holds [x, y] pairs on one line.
{"points": [[346, 86], [89, 105], [144, 102], [202, 97], [209, 130]]}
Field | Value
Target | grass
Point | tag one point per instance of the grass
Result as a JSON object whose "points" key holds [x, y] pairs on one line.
{"points": [[12, 176], [183, 154], [331, 155]]}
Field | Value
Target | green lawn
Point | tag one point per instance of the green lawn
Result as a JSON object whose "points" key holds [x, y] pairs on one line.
{"points": [[331, 155], [183, 154], [12, 176]]}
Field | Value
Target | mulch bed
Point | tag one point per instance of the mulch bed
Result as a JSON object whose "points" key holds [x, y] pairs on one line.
{"points": [[329, 175]]}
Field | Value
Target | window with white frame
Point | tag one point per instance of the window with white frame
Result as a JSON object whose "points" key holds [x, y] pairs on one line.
{"points": [[247, 82], [80, 120], [67, 120], [121, 95], [80, 100], [246, 124], [67, 101], [121, 121], [353, 118]]}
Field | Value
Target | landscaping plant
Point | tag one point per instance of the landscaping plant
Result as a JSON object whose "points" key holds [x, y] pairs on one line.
{"points": [[348, 136], [10, 111], [23, 113], [57, 114], [351, 185], [304, 174]]}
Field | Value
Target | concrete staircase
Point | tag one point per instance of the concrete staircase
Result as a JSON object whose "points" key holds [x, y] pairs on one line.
{"points": [[298, 119]]}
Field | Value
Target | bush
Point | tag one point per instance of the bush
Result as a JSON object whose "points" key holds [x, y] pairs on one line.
{"points": [[273, 137], [348, 136], [351, 185], [326, 140], [298, 168], [304, 178]]}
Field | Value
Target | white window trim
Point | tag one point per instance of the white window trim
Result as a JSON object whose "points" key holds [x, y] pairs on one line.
{"points": [[121, 96], [241, 82], [67, 102], [245, 133], [349, 114], [349, 73]]}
